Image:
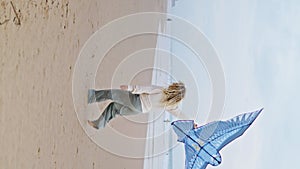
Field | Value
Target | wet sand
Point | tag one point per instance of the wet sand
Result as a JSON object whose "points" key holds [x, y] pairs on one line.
{"points": [[39, 44]]}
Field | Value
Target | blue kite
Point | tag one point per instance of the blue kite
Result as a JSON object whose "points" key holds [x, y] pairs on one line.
{"points": [[202, 144]]}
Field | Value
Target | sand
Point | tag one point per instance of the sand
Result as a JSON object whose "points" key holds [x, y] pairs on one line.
{"points": [[38, 51]]}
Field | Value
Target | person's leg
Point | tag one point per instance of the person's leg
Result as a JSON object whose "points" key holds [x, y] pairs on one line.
{"points": [[123, 97], [110, 112], [98, 95]]}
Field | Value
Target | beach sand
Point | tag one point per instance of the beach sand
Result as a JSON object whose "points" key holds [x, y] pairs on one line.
{"points": [[38, 51]]}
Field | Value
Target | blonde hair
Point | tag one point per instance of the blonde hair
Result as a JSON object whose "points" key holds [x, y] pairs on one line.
{"points": [[173, 94]]}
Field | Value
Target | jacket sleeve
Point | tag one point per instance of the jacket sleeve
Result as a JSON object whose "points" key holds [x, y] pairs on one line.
{"points": [[136, 89]]}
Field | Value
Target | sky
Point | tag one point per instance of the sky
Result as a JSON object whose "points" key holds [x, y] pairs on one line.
{"points": [[258, 43]]}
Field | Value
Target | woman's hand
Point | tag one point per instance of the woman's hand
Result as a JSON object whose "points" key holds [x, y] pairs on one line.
{"points": [[195, 125], [124, 87]]}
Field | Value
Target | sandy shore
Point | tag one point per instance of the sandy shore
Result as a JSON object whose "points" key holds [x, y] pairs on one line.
{"points": [[40, 42]]}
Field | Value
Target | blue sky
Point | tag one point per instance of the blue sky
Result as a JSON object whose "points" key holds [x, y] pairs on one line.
{"points": [[258, 43]]}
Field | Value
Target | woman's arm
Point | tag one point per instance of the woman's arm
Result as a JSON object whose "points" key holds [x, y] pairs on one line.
{"points": [[136, 89]]}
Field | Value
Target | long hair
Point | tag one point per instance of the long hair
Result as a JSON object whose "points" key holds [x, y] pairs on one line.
{"points": [[173, 94]]}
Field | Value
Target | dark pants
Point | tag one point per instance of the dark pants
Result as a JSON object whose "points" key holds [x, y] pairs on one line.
{"points": [[124, 103]]}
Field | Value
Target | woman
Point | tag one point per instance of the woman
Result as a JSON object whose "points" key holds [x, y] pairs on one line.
{"points": [[133, 99]]}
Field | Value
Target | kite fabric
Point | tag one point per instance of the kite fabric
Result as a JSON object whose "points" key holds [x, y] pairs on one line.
{"points": [[202, 144]]}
